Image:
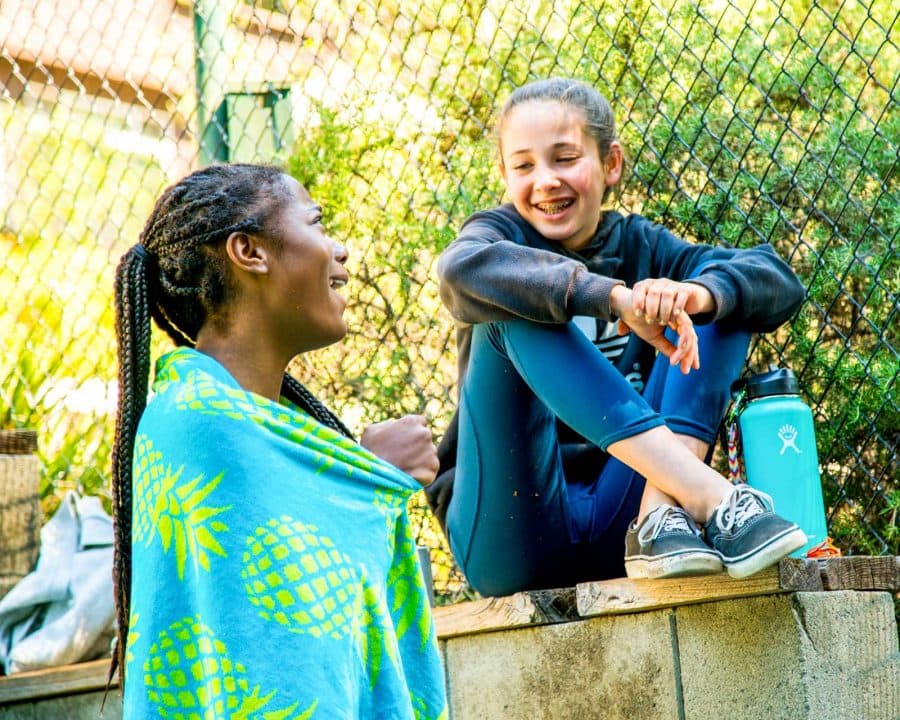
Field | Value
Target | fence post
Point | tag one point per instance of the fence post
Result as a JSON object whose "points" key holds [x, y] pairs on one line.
{"points": [[211, 67]]}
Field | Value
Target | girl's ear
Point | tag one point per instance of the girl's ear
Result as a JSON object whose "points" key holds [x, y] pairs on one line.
{"points": [[614, 163], [248, 253]]}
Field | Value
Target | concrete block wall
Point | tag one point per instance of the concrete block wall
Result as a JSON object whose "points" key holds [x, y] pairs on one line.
{"points": [[790, 656], [794, 656]]}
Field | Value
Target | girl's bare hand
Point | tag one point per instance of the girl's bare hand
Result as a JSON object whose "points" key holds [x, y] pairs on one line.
{"points": [[661, 300], [685, 353], [406, 443]]}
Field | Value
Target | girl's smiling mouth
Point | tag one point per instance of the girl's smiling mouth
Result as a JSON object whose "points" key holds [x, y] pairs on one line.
{"points": [[554, 208]]}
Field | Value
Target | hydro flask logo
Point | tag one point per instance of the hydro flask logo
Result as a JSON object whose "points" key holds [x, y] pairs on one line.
{"points": [[788, 435]]}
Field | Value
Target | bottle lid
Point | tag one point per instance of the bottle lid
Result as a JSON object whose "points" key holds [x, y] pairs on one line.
{"points": [[780, 381]]}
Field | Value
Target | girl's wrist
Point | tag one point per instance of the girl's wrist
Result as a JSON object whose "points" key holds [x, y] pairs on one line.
{"points": [[619, 300], [704, 299]]}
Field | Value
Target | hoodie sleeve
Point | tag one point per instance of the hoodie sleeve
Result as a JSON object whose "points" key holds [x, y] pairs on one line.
{"points": [[489, 274], [753, 287]]}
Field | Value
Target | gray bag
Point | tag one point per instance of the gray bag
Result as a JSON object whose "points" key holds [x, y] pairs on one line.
{"points": [[63, 612]]}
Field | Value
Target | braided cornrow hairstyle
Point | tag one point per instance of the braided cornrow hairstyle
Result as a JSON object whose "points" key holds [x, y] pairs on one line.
{"points": [[178, 275]]}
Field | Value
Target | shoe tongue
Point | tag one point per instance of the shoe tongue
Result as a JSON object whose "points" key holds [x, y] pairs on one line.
{"points": [[675, 521], [746, 507]]}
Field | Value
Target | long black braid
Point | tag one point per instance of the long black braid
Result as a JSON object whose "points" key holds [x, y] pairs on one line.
{"points": [[178, 275]]}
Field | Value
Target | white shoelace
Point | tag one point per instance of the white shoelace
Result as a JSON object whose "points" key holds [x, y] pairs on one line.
{"points": [[742, 504], [665, 517]]}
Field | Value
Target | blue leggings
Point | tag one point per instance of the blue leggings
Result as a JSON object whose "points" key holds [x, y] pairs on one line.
{"points": [[514, 522]]}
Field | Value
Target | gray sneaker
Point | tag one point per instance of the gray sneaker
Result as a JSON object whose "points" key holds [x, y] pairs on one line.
{"points": [[668, 544], [747, 533]]}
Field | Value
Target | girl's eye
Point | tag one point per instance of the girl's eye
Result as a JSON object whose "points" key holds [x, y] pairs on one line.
{"points": [[522, 166], [568, 158]]}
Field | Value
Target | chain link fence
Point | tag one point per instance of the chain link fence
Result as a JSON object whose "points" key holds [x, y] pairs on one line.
{"points": [[743, 121]]}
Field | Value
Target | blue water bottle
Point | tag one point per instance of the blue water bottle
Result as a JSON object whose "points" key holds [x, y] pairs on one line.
{"points": [[779, 451]]}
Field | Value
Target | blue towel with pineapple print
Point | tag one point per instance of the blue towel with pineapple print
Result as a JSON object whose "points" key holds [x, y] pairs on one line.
{"points": [[275, 575]]}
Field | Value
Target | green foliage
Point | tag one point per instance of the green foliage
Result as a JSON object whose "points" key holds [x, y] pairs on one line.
{"points": [[377, 201], [742, 122], [42, 379], [59, 238], [737, 132], [801, 156]]}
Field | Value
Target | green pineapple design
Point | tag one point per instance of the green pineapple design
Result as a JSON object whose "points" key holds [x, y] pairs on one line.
{"points": [[420, 710], [133, 636], [407, 593], [297, 578], [389, 505], [374, 644], [189, 676], [164, 504], [201, 393], [167, 372]]}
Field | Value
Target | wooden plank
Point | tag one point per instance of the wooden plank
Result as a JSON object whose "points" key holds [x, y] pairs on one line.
{"points": [[558, 605], [624, 595], [18, 442], [476, 616], [799, 574], [63, 680], [861, 573]]}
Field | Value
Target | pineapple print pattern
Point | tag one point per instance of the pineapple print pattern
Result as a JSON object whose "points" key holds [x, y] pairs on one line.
{"points": [[174, 509], [202, 394], [406, 588], [420, 710], [374, 644], [133, 636], [389, 505], [297, 578], [189, 676]]}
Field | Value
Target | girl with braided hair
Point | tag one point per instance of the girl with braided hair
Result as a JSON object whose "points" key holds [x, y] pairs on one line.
{"points": [[264, 561]]}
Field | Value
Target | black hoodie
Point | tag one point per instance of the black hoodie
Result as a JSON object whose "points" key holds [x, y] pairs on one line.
{"points": [[500, 267]]}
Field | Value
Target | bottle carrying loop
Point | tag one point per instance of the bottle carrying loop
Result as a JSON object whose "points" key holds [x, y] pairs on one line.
{"points": [[736, 472]]}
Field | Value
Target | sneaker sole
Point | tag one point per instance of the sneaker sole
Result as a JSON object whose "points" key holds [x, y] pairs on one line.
{"points": [[675, 566], [767, 555]]}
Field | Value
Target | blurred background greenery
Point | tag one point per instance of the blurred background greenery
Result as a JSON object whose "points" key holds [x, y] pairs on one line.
{"points": [[743, 121]]}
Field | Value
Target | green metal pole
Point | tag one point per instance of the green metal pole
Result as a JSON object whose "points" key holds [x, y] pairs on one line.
{"points": [[211, 60]]}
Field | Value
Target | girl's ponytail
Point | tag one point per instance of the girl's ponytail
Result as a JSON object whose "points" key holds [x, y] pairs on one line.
{"points": [[132, 298]]}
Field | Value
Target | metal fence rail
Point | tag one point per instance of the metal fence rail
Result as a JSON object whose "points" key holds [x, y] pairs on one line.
{"points": [[743, 121]]}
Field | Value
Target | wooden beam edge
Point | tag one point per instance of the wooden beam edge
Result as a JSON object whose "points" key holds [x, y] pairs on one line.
{"points": [[626, 595], [478, 616], [857, 572], [63, 680], [623, 595]]}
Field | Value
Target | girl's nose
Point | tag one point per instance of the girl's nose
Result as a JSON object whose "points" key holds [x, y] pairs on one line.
{"points": [[546, 178], [340, 253]]}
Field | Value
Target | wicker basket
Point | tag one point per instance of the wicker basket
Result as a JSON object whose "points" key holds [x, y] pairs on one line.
{"points": [[20, 509]]}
